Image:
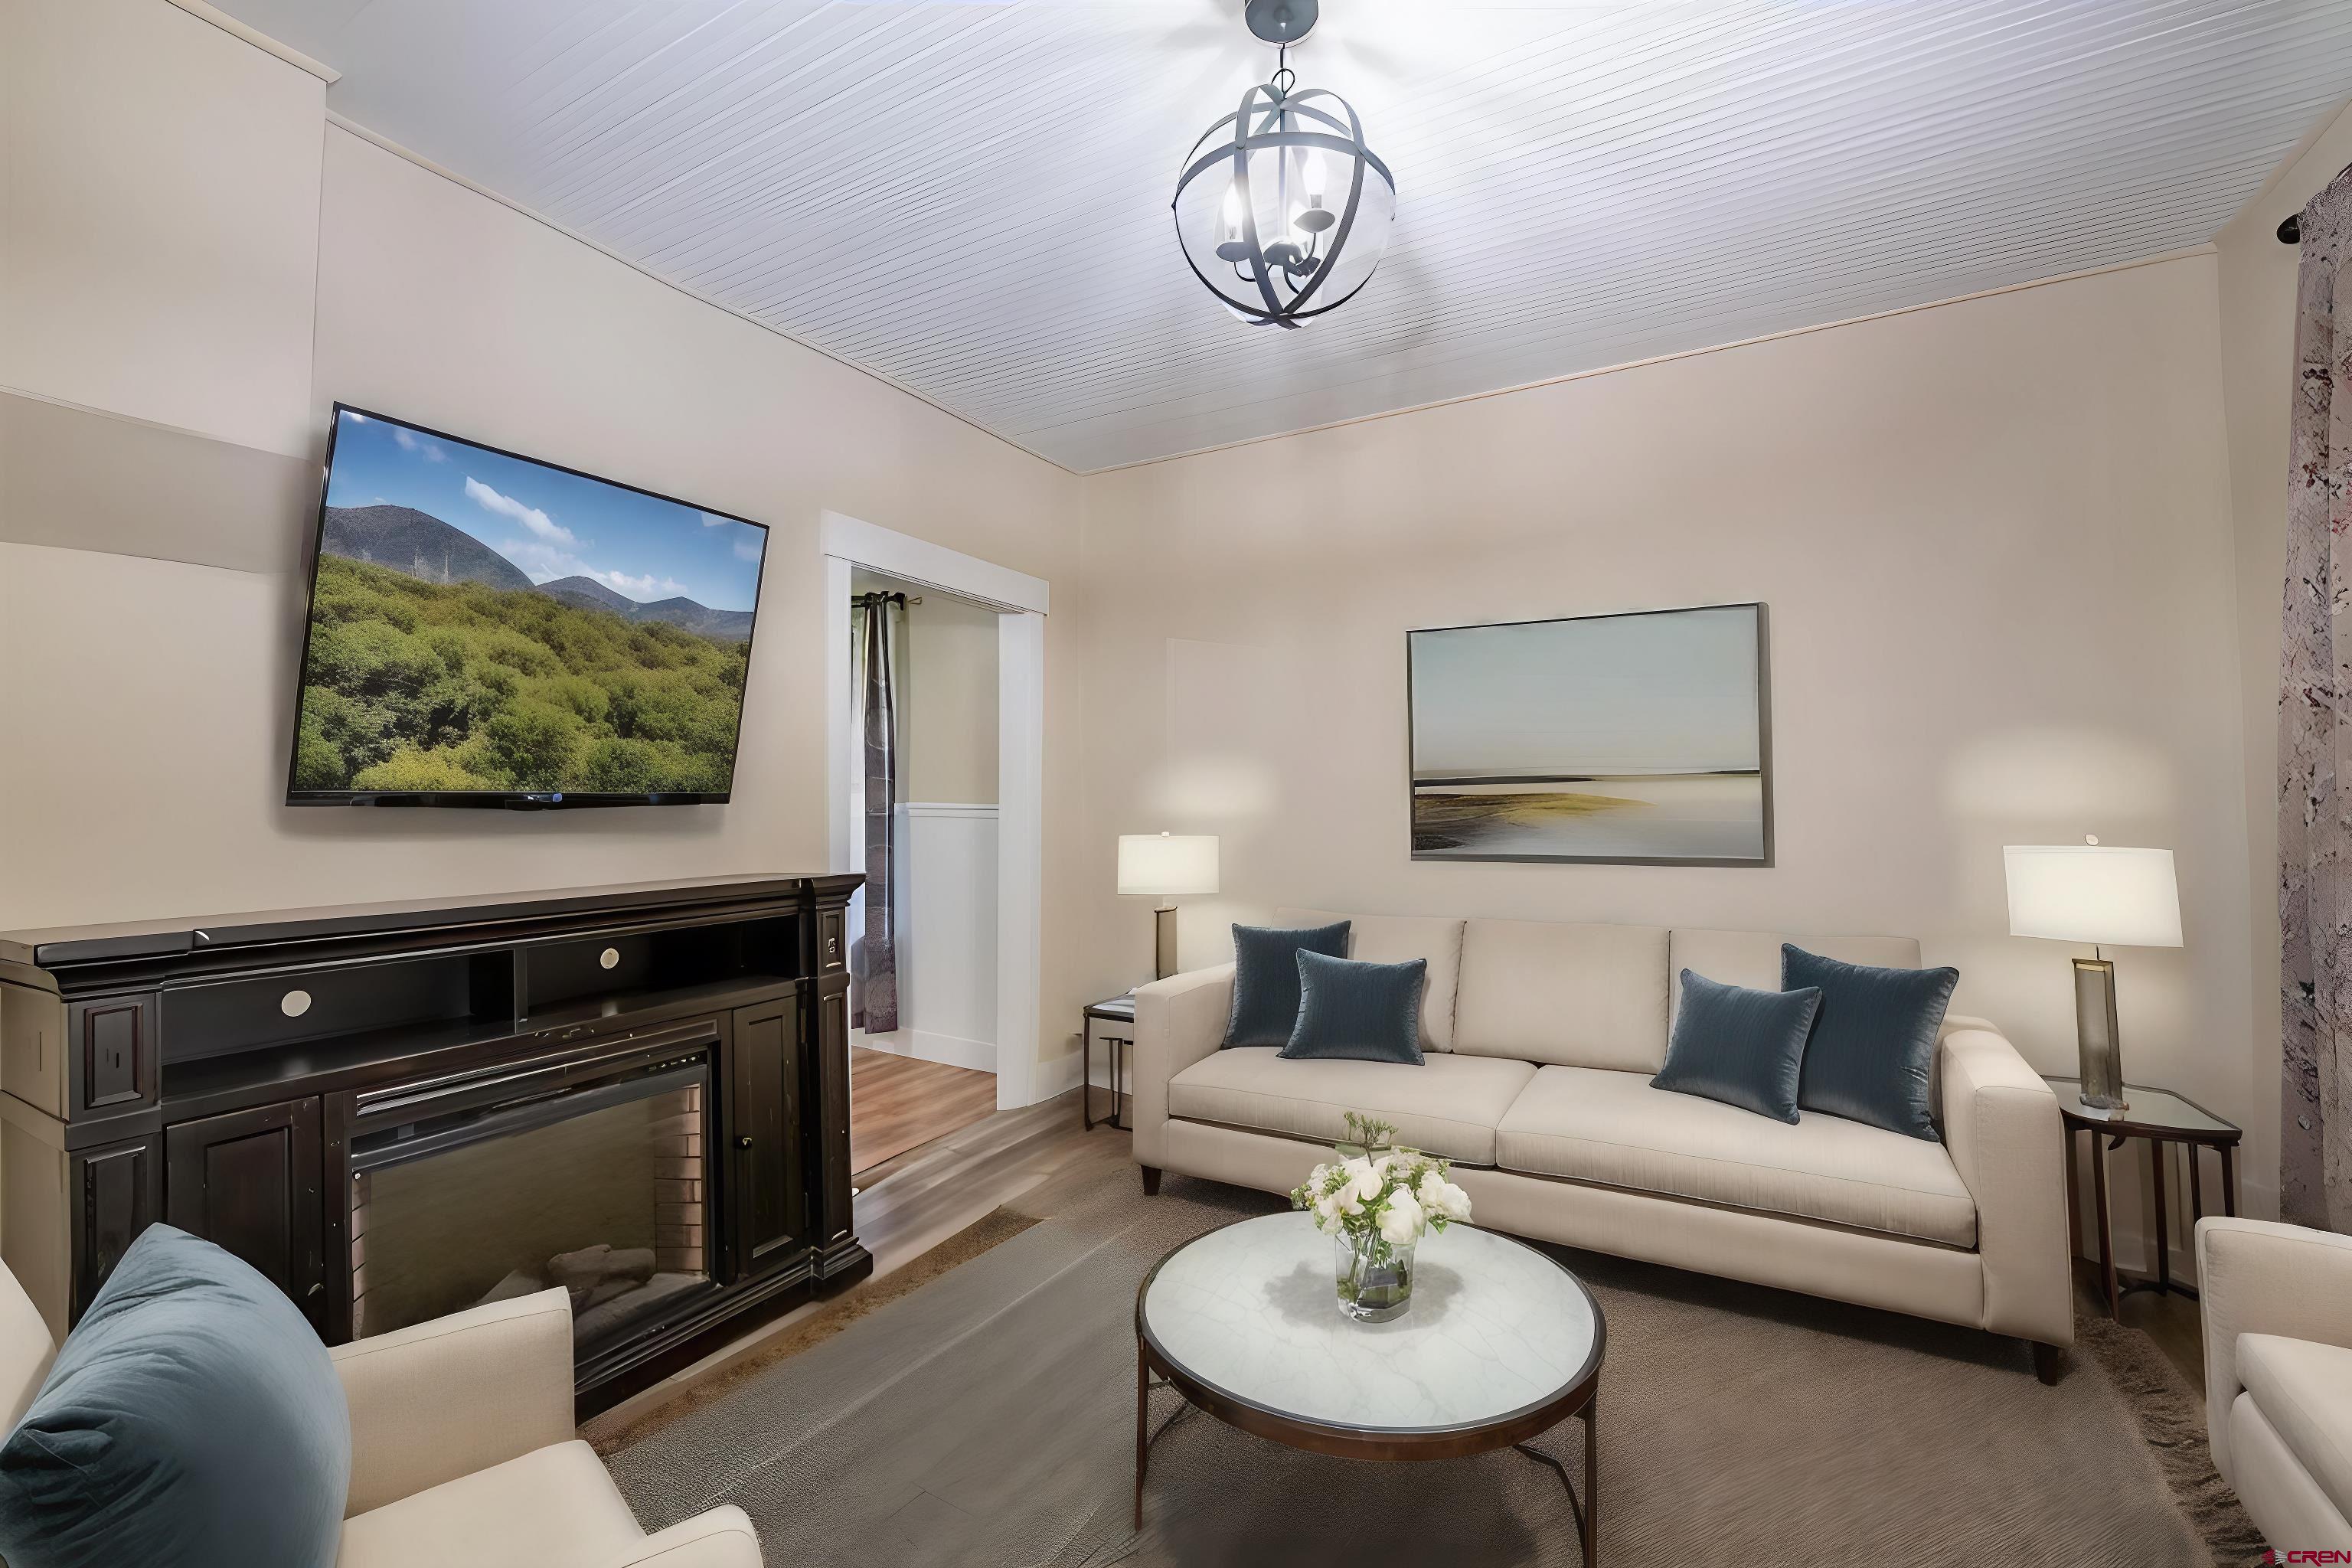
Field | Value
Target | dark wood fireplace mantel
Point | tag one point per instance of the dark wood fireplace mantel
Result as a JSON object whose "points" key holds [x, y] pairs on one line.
{"points": [[216, 1074]]}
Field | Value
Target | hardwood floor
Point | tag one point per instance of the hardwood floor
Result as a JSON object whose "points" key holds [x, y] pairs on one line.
{"points": [[896, 1103], [1032, 1160], [1037, 1159]]}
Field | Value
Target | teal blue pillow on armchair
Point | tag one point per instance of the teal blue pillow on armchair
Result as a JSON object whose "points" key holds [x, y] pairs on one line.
{"points": [[192, 1420]]}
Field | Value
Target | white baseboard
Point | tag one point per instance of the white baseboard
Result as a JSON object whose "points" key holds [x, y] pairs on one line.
{"points": [[1060, 1075], [923, 1046]]}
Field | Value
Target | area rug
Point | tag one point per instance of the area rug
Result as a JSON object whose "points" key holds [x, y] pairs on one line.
{"points": [[988, 1418]]}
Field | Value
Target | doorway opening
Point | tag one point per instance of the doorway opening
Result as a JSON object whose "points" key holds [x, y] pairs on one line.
{"points": [[935, 680], [922, 993]]}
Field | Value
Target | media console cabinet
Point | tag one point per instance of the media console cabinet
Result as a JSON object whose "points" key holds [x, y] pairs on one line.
{"points": [[640, 1093]]}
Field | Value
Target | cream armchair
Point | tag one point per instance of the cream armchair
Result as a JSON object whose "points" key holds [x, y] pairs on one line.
{"points": [[2278, 1374], [462, 1452], [463, 1457]]}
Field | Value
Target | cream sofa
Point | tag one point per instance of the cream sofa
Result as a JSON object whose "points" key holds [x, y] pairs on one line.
{"points": [[1540, 1041], [2278, 1374], [462, 1447]]}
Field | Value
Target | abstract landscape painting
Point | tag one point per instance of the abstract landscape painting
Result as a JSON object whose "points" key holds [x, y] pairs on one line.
{"points": [[1614, 738], [481, 622]]}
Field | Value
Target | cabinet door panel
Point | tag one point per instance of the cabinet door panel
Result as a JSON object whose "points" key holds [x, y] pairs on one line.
{"points": [[830, 1039], [117, 1190], [114, 1046], [763, 1114], [250, 1182]]}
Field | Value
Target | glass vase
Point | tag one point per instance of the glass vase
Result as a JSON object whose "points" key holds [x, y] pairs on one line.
{"points": [[1374, 1277]]}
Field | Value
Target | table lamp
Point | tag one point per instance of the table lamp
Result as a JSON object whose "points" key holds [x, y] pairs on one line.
{"points": [[1167, 864], [2108, 897]]}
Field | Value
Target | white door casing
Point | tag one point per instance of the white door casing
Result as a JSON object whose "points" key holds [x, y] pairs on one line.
{"points": [[1021, 602]]}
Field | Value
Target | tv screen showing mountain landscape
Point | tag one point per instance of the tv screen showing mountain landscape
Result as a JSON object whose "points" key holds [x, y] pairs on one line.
{"points": [[484, 623]]}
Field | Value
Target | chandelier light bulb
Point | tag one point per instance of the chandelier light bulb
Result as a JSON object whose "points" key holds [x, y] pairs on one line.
{"points": [[1333, 198]]}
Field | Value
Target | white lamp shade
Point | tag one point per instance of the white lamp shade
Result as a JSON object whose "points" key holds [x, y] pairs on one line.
{"points": [[2112, 897], [1167, 863]]}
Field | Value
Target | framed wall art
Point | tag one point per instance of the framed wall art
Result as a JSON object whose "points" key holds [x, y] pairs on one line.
{"points": [[1641, 738]]}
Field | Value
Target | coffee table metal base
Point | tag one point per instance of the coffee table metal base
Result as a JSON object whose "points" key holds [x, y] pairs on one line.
{"points": [[1352, 1445]]}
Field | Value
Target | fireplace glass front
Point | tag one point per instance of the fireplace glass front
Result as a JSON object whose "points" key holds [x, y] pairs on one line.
{"points": [[598, 1189]]}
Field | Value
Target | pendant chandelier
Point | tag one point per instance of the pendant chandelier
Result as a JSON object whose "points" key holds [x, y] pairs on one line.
{"points": [[1282, 209]]}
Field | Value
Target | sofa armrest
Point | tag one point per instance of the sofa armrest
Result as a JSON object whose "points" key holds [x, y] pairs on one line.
{"points": [[1178, 1021], [438, 1400], [2261, 1278], [721, 1537], [2003, 1132]]}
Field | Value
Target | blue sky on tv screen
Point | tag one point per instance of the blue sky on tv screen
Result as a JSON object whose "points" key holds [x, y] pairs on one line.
{"points": [[549, 523]]}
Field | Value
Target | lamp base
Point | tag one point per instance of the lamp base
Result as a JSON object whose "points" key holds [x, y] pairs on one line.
{"points": [[2095, 1036], [1164, 940]]}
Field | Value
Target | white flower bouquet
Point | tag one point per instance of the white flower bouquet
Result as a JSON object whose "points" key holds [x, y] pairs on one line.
{"points": [[1376, 1200]]}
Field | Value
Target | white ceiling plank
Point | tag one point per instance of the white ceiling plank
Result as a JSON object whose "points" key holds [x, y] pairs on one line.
{"points": [[970, 197]]}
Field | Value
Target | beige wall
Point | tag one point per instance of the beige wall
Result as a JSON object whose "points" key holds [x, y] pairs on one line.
{"points": [[2021, 560], [1993, 539], [2258, 376], [148, 704], [948, 695], [161, 216]]}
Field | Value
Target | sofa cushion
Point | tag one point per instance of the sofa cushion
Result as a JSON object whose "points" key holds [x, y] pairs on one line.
{"points": [[2304, 1390], [1394, 938], [191, 1417], [2280, 1496], [1739, 1047], [1448, 1105], [553, 1508], [1576, 995], [1352, 1011], [1612, 1128], [1265, 978], [1752, 958]]}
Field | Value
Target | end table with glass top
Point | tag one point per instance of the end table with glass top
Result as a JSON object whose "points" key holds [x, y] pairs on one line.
{"points": [[2162, 1118], [1118, 1013]]}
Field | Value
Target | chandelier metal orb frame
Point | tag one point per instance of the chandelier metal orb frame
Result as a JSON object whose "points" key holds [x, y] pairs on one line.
{"points": [[1266, 240]]}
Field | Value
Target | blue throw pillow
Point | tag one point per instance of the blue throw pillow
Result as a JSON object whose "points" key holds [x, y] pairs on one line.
{"points": [[1358, 1011], [1743, 1047], [1265, 978], [1873, 1057], [192, 1420]]}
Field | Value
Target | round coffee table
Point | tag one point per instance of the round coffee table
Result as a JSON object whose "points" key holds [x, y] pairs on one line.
{"points": [[1502, 1344]]}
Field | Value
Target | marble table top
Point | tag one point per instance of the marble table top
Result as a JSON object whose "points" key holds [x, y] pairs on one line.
{"points": [[1250, 1309]]}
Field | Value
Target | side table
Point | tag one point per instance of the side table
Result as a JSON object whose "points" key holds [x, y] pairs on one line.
{"points": [[2161, 1117], [1119, 1012]]}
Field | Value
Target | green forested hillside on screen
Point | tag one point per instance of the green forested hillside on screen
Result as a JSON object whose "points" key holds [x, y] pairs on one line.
{"points": [[413, 685]]}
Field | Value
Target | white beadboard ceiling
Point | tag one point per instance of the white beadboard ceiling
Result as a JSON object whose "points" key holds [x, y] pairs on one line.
{"points": [[971, 199]]}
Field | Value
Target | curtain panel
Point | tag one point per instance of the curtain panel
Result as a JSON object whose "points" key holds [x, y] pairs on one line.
{"points": [[2315, 736], [879, 618]]}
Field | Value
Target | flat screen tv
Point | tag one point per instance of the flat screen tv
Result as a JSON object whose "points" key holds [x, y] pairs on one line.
{"points": [[486, 629]]}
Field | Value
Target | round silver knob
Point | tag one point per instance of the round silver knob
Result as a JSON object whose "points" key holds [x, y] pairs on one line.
{"points": [[610, 958]]}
